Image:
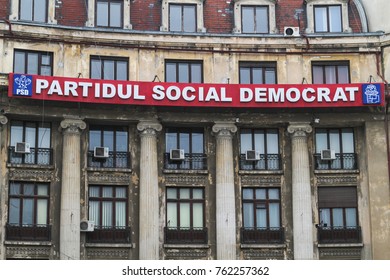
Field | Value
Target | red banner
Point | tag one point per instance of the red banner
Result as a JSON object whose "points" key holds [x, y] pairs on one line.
{"points": [[196, 95]]}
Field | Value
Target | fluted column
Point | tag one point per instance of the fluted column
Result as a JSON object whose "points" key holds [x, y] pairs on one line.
{"points": [[149, 203], [301, 192], [70, 189], [225, 198], [3, 218]]}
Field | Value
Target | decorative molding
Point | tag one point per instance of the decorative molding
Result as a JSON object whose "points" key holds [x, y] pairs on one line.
{"points": [[299, 129], [72, 126], [149, 128], [337, 180], [28, 252], [108, 253], [36, 175], [264, 254], [109, 177], [186, 254], [340, 253], [185, 180], [261, 181], [224, 129], [3, 120]]}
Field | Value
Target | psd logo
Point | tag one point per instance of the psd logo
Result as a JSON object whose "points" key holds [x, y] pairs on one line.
{"points": [[371, 94], [22, 85]]}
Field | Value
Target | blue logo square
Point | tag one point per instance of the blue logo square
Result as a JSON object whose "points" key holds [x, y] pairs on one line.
{"points": [[371, 94], [22, 85]]}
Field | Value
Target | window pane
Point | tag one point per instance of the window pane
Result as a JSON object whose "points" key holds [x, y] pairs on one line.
{"points": [[247, 193], [335, 19], [121, 141], [320, 14], [245, 75], [94, 139], [334, 140], [121, 70], [261, 194], [25, 9], [108, 139], [44, 136], [197, 194], [120, 214], [107, 192], [30, 134], [248, 20], [318, 75], [257, 76], [197, 142], [94, 191], [197, 215], [325, 217], [184, 76], [108, 70], [107, 214], [189, 18], [350, 216], [20, 65], [273, 194], [115, 14], [14, 210], [261, 20], [330, 75], [171, 193], [40, 10], [259, 141], [337, 214], [32, 63], [42, 189], [16, 132], [184, 193], [184, 215], [248, 215], [102, 14], [175, 18], [96, 70], [42, 211], [94, 212], [246, 140], [170, 72], [343, 74], [28, 212], [185, 142], [171, 214], [196, 73], [321, 140], [270, 77], [348, 143], [14, 188], [274, 215], [261, 217], [120, 192], [272, 143], [28, 189]]}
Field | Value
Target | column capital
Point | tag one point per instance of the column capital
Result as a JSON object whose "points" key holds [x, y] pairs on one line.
{"points": [[149, 127], [299, 129], [72, 126], [224, 129], [3, 120]]}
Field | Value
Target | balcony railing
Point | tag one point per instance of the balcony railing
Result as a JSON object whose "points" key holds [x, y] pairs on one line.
{"points": [[40, 156], [262, 235], [329, 235], [346, 161], [193, 161], [114, 160], [185, 235], [28, 232], [266, 162], [103, 234]]}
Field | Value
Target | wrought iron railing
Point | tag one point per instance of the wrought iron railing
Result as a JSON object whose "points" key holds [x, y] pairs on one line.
{"points": [[266, 162], [262, 235], [339, 235], [102, 234], [39, 156], [16, 232], [114, 160], [193, 161], [185, 235], [346, 161]]}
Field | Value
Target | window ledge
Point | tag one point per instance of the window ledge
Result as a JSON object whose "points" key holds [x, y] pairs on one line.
{"points": [[30, 166], [108, 169], [186, 171], [28, 243], [109, 245], [255, 172], [187, 246], [263, 246], [342, 171], [344, 245]]}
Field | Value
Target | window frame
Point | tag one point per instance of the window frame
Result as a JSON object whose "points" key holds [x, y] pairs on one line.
{"points": [[91, 15], [50, 12], [40, 64], [109, 2], [177, 63], [336, 64], [182, 15], [102, 60], [328, 18], [258, 65], [255, 10]]}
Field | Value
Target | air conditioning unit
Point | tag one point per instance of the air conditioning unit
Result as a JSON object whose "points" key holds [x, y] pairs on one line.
{"points": [[291, 31], [176, 154], [87, 226], [328, 155], [22, 147], [252, 155], [100, 152]]}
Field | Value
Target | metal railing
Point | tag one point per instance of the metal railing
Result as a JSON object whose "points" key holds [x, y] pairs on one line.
{"points": [[114, 160], [262, 235], [185, 235], [193, 161], [266, 162], [39, 156], [339, 235], [102, 234], [16, 232], [346, 161]]}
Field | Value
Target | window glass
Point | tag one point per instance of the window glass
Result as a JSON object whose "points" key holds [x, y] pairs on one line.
{"points": [[335, 18], [257, 73], [248, 23], [40, 10], [108, 69], [183, 71], [33, 62], [261, 20], [189, 18], [175, 17], [102, 13], [26, 8], [115, 14]]}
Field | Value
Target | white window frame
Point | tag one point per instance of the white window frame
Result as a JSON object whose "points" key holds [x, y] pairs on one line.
{"points": [[271, 16], [14, 13], [344, 13], [199, 13], [126, 14]]}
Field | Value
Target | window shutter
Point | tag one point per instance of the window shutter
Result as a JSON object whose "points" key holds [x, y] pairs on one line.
{"points": [[329, 197]]}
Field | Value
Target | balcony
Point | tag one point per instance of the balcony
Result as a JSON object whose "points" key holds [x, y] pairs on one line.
{"points": [[336, 235], [185, 235], [114, 160], [262, 235], [341, 162], [103, 234], [266, 162], [39, 156], [194, 161], [28, 232]]}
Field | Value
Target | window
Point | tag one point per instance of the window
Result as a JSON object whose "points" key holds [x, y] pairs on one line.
{"points": [[182, 16], [33, 62], [37, 11], [30, 143], [28, 217], [183, 71], [265, 144], [108, 209], [108, 68], [191, 143], [332, 72], [109, 13], [112, 143], [261, 216], [185, 216], [255, 16], [340, 144], [338, 215], [257, 73]]}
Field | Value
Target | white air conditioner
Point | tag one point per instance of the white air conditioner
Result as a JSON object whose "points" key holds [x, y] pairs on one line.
{"points": [[252, 155], [176, 154], [87, 226], [100, 152], [291, 31], [328, 155], [22, 147]]}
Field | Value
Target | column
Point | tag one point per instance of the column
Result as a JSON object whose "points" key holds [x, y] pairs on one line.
{"points": [[149, 203], [225, 198], [3, 217], [301, 192], [70, 189]]}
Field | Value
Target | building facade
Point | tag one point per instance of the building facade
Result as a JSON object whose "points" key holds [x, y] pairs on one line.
{"points": [[192, 129]]}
